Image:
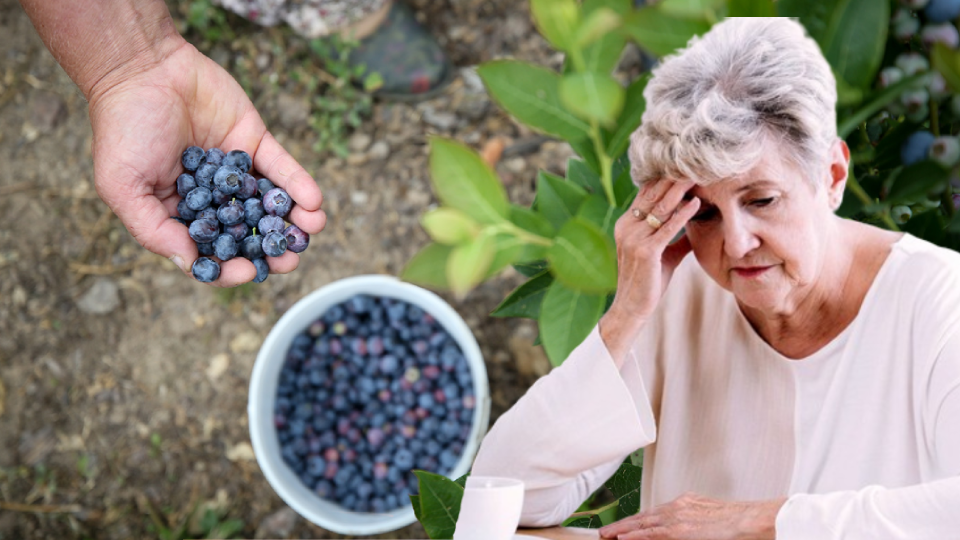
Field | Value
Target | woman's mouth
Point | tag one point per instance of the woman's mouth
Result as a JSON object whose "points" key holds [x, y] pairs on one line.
{"points": [[749, 272]]}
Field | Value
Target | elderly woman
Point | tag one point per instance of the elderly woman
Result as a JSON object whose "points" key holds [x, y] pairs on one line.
{"points": [[799, 378]]}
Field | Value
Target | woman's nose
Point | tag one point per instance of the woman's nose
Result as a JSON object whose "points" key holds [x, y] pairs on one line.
{"points": [[738, 239]]}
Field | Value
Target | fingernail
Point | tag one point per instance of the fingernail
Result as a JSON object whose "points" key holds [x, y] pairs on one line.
{"points": [[177, 260]]}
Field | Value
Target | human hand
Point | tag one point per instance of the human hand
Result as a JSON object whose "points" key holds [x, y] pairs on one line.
{"points": [[645, 257], [695, 517], [142, 124]]}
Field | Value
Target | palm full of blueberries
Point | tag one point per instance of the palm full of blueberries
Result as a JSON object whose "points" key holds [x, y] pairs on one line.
{"points": [[141, 127]]}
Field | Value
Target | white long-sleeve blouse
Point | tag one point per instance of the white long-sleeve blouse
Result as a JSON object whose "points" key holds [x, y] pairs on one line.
{"points": [[863, 436]]}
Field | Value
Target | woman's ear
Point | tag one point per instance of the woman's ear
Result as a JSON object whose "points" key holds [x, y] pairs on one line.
{"points": [[839, 166]]}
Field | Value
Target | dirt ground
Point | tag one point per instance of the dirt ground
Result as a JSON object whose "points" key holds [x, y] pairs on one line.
{"points": [[123, 385]]}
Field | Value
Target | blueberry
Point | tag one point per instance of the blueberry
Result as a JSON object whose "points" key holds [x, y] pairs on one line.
{"points": [[269, 224], [205, 249], [945, 33], [208, 213], [220, 197], [204, 230], [324, 489], [228, 179], [185, 184], [274, 244], [248, 187], [192, 158], [316, 466], [448, 459], [204, 175], [297, 240], [264, 185], [253, 211], [231, 213], [251, 248], [277, 202], [184, 211], [199, 198], [225, 247], [239, 159], [939, 11], [205, 270], [403, 459], [238, 231], [916, 147]]}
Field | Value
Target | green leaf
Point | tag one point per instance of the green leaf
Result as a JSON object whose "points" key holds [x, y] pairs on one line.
{"points": [[526, 299], [583, 258], [428, 268], [624, 190], [751, 8], [662, 33], [566, 318], [582, 175], [530, 269], [557, 21], [601, 22], [875, 103], [602, 56], [557, 199], [415, 502], [888, 151], [690, 8], [630, 117], [598, 211], [947, 62], [593, 96], [372, 82], [535, 223], [585, 522], [449, 226], [463, 180], [462, 481], [636, 458], [586, 150], [530, 93], [469, 262], [531, 221], [851, 33], [440, 500], [625, 485], [928, 226], [915, 181], [508, 249]]}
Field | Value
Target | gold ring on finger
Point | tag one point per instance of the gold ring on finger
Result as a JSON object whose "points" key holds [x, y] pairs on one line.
{"points": [[653, 221]]}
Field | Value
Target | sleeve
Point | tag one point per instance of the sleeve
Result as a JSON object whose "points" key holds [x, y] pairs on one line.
{"points": [[927, 511], [569, 433]]}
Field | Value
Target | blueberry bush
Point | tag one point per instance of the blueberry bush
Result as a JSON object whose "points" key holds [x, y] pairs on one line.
{"points": [[898, 82]]}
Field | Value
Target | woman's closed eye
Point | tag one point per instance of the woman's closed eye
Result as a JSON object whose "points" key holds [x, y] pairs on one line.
{"points": [[761, 202]]}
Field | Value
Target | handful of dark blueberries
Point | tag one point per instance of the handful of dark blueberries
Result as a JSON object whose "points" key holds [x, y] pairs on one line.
{"points": [[371, 390], [229, 212]]}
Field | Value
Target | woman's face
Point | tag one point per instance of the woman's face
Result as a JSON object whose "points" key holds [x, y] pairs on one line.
{"points": [[764, 236]]}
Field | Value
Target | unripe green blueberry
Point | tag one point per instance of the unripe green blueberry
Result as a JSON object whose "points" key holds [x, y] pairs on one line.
{"points": [[915, 4], [915, 99], [896, 109], [945, 151], [930, 203], [937, 86], [901, 214], [945, 33], [900, 15], [890, 76], [919, 115], [905, 29], [912, 63]]}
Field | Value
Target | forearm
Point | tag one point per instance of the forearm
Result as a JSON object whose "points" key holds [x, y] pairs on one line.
{"points": [[101, 42]]}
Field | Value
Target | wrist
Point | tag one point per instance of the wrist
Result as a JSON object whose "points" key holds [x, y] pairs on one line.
{"points": [[760, 523], [102, 43]]}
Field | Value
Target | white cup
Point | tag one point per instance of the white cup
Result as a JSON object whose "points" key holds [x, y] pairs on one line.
{"points": [[490, 509]]}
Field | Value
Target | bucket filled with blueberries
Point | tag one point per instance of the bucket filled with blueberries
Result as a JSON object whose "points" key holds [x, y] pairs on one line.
{"points": [[359, 384]]}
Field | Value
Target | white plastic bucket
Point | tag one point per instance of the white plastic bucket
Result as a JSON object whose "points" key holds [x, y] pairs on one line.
{"points": [[263, 391]]}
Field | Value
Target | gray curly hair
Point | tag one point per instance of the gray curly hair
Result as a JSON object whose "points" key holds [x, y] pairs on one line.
{"points": [[712, 106]]}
